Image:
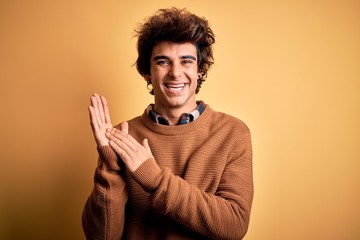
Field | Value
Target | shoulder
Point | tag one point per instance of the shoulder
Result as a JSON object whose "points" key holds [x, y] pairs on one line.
{"points": [[226, 121], [229, 130]]}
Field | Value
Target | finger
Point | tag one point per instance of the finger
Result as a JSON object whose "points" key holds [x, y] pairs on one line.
{"points": [[123, 147], [124, 126], [126, 139], [100, 108], [93, 121], [120, 151], [95, 105], [123, 134], [147, 147], [106, 110]]}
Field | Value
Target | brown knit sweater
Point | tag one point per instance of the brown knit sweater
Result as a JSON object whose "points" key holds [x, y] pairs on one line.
{"points": [[199, 186]]}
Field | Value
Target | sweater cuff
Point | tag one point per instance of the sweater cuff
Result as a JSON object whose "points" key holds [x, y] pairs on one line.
{"points": [[148, 175]]}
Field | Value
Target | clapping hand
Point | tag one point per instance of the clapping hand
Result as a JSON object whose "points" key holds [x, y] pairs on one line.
{"points": [[130, 151], [99, 119]]}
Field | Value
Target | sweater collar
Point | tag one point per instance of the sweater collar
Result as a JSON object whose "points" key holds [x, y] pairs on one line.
{"points": [[200, 122], [184, 118]]}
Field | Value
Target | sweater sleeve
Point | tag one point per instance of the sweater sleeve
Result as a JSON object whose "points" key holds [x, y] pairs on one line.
{"points": [[221, 215], [104, 212]]}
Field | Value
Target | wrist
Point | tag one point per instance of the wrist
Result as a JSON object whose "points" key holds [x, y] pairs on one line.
{"points": [[102, 142]]}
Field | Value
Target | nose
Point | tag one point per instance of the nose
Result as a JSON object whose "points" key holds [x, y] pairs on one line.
{"points": [[175, 70]]}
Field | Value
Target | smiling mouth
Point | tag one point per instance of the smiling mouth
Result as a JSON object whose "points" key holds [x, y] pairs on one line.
{"points": [[175, 87]]}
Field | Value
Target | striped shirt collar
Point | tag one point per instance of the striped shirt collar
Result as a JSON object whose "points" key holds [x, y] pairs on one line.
{"points": [[184, 118]]}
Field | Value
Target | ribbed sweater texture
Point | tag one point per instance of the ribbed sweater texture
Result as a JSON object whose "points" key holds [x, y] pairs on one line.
{"points": [[199, 185]]}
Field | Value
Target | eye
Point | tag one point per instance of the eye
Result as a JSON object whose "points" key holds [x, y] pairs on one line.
{"points": [[162, 62], [188, 61]]}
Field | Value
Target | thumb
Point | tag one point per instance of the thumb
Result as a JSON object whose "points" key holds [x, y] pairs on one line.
{"points": [[147, 147], [124, 127]]}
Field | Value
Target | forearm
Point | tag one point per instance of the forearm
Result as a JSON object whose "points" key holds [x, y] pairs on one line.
{"points": [[217, 215], [104, 212]]}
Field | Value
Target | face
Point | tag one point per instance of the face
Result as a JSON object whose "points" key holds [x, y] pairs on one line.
{"points": [[174, 74]]}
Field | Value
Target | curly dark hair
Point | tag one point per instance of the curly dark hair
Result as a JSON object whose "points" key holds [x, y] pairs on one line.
{"points": [[178, 26]]}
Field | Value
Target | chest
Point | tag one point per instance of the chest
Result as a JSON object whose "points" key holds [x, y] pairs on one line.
{"points": [[199, 160]]}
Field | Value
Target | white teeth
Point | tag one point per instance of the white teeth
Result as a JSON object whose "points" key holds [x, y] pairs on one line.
{"points": [[175, 86]]}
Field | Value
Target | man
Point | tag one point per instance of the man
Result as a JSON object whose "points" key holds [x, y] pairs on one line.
{"points": [[180, 170]]}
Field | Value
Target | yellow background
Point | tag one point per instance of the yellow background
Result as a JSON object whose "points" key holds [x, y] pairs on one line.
{"points": [[289, 69]]}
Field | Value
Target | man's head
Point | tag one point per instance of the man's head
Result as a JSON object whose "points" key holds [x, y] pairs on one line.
{"points": [[177, 26]]}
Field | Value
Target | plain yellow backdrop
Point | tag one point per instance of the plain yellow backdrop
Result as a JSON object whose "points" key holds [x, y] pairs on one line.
{"points": [[289, 69]]}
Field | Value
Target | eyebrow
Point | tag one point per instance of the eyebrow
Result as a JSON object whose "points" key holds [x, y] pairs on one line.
{"points": [[166, 57]]}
